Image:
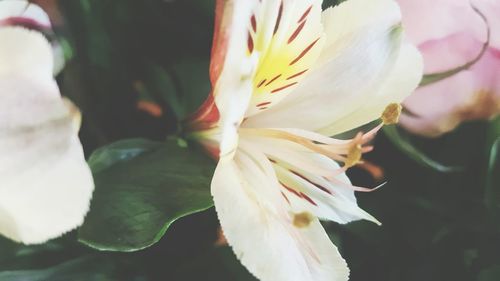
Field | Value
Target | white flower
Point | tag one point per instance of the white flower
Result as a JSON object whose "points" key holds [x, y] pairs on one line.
{"points": [[285, 76], [45, 183]]}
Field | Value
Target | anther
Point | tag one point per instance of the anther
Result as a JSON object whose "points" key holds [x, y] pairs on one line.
{"points": [[303, 219], [354, 155], [391, 114]]}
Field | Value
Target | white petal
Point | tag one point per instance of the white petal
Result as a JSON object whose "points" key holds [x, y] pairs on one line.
{"points": [[232, 69], [363, 42], [23, 9], [306, 171], [402, 81], [12, 8], [288, 36], [45, 183], [25, 52], [261, 231]]}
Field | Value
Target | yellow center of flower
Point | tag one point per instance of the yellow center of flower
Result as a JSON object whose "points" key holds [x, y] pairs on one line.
{"points": [[302, 220], [287, 44], [391, 114]]}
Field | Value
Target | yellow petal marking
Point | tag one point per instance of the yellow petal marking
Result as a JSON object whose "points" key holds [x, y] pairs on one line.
{"points": [[287, 47]]}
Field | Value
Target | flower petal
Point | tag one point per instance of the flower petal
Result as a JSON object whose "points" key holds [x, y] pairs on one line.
{"points": [[288, 37], [303, 175], [45, 183], [491, 10], [428, 20], [23, 9], [262, 232], [471, 94], [402, 81], [26, 53], [232, 68], [362, 47]]}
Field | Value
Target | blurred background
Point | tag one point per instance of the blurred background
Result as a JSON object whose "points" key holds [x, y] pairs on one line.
{"points": [[136, 68]]}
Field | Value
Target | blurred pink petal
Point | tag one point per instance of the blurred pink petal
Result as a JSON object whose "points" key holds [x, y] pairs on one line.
{"points": [[427, 20], [450, 33], [471, 94]]}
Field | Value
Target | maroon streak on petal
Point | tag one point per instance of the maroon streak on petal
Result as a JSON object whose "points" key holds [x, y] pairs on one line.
{"points": [[261, 83], [291, 190], [264, 103], [286, 198], [296, 32], [311, 182], [278, 20], [272, 80], [306, 50], [250, 43], [306, 13], [253, 21], [297, 74], [308, 199], [282, 88]]}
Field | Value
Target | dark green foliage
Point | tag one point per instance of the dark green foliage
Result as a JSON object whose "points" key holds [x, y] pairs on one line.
{"points": [[142, 187]]}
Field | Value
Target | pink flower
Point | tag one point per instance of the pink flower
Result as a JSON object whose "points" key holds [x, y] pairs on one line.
{"points": [[450, 34]]}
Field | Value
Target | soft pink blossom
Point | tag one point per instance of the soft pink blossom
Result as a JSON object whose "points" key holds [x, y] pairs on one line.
{"points": [[451, 33]]}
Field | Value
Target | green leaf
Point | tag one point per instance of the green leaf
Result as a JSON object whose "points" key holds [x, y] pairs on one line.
{"points": [[82, 269], [142, 187], [107, 156], [182, 87], [160, 83], [194, 82], [403, 143]]}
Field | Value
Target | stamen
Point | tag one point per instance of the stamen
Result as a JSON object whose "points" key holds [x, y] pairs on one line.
{"points": [[336, 181], [302, 220], [391, 114], [354, 155], [332, 151]]}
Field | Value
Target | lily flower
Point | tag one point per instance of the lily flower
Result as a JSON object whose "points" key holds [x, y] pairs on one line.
{"points": [[45, 183], [286, 76]]}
